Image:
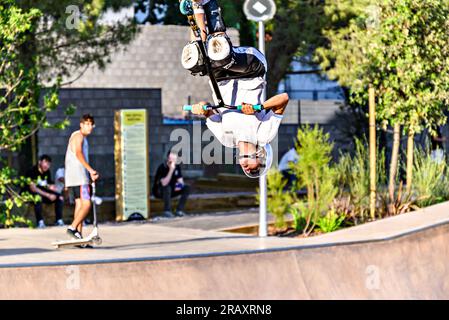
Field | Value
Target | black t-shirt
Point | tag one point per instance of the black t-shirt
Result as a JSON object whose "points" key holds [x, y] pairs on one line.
{"points": [[162, 172], [41, 180], [246, 66]]}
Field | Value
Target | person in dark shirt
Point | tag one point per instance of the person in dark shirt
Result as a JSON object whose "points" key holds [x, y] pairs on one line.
{"points": [[43, 185], [169, 183], [437, 145]]}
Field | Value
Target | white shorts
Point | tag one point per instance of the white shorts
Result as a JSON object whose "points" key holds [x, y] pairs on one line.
{"points": [[231, 127], [237, 91]]}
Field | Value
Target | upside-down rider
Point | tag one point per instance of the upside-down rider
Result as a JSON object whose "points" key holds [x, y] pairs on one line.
{"points": [[240, 74]]}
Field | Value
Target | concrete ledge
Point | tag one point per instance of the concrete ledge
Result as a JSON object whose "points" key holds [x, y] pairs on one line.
{"points": [[209, 202]]}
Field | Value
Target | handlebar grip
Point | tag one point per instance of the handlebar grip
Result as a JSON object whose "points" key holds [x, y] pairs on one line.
{"points": [[189, 107], [256, 107]]}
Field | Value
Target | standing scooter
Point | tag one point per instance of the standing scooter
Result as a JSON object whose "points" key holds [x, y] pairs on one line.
{"points": [[93, 237]]}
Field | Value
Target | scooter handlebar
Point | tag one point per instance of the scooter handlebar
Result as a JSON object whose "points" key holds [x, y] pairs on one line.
{"points": [[256, 107]]}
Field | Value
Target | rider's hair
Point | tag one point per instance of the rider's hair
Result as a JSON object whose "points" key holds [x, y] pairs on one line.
{"points": [[87, 117], [171, 151], [45, 157]]}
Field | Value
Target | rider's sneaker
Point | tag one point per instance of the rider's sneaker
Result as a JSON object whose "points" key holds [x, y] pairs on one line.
{"points": [[74, 233], [85, 246], [168, 214], [59, 223], [180, 213], [41, 224]]}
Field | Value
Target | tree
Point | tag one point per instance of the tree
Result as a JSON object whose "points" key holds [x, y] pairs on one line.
{"points": [[400, 47], [20, 114], [40, 43], [70, 36], [296, 32]]}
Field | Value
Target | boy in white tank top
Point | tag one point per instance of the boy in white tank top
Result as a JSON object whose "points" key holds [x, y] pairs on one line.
{"points": [[78, 174]]}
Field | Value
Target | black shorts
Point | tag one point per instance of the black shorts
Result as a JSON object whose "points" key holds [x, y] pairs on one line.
{"points": [[83, 192]]}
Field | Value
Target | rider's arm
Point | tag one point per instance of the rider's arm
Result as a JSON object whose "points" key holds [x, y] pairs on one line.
{"points": [[39, 191], [200, 19], [171, 169], [277, 103], [166, 181], [201, 22]]}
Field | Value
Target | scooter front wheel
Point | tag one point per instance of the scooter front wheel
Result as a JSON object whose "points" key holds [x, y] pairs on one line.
{"points": [[97, 241], [186, 8]]}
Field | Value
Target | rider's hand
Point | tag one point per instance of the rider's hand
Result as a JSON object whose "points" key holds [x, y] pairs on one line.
{"points": [[198, 108], [52, 197], [172, 165], [247, 108], [94, 175]]}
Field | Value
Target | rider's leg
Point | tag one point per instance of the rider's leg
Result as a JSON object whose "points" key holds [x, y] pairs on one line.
{"points": [[208, 18], [220, 50], [215, 22], [200, 19]]}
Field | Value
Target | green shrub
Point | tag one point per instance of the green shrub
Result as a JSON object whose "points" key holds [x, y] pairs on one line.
{"points": [[353, 178], [299, 219], [430, 182], [330, 222], [314, 172], [10, 198], [278, 200]]}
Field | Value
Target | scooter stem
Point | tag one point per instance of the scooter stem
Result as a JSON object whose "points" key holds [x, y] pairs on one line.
{"points": [[93, 204]]}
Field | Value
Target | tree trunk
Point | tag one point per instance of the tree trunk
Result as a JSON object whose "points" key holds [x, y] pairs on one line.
{"points": [[410, 149], [394, 163], [372, 152], [296, 27]]}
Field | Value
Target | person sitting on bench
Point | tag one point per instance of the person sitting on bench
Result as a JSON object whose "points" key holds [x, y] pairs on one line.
{"points": [[43, 185], [169, 183]]}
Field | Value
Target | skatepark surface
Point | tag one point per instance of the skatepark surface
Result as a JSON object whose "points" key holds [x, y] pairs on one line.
{"points": [[403, 257]]}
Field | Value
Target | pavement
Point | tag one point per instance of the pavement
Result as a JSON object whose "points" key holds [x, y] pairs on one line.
{"points": [[403, 257], [216, 221]]}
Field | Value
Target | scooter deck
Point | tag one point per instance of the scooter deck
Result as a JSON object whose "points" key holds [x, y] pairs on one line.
{"points": [[72, 243]]}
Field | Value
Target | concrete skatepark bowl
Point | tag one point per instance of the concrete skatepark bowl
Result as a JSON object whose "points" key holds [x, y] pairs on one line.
{"points": [[403, 257]]}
